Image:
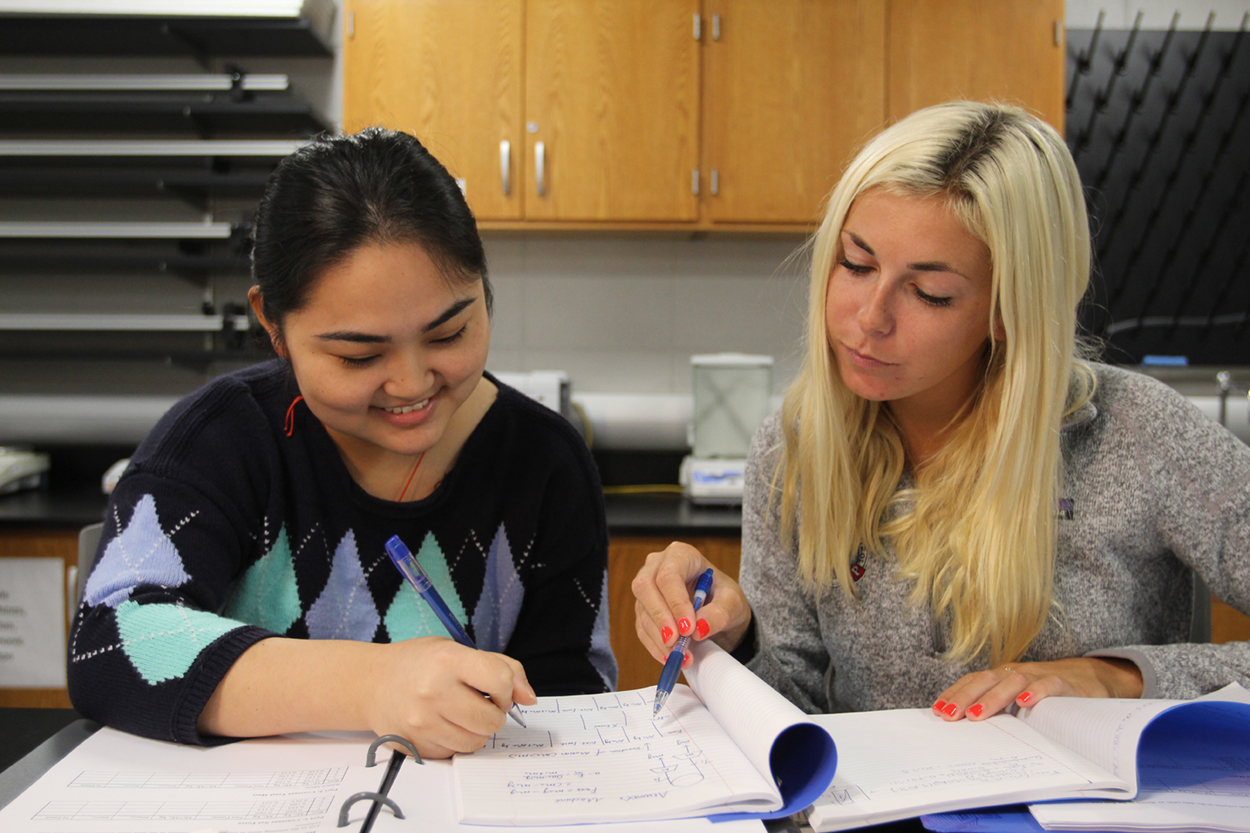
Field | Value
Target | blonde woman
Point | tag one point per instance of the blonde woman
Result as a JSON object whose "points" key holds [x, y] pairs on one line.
{"points": [[952, 507]]}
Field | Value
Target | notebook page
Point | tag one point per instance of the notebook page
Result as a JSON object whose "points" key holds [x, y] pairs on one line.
{"points": [[119, 783], [901, 763], [602, 757], [426, 794], [1105, 731], [749, 709]]}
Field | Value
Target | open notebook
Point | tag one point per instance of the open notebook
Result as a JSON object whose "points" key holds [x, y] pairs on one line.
{"points": [[908, 762], [729, 744]]}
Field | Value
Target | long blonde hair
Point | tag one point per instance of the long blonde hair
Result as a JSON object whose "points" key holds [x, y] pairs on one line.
{"points": [[976, 530]]}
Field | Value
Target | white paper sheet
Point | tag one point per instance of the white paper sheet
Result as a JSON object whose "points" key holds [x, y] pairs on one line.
{"points": [[119, 783], [585, 757], [897, 764]]}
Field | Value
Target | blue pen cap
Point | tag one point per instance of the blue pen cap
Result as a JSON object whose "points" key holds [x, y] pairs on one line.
{"points": [[402, 558]]}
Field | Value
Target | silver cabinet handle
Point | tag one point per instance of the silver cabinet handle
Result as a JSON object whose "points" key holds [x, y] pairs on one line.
{"points": [[715, 182], [715, 27], [540, 174], [694, 182], [505, 166]]}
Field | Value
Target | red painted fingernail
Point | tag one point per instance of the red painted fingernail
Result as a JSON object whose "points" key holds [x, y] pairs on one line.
{"points": [[939, 705], [686, 660], [702, 627], [683, 626], [976, 709], [1024, 698], [666, 633], [950, 709]]}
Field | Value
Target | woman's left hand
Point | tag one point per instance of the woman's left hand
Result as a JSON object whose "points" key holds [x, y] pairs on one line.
{"points": [[984, 693]]}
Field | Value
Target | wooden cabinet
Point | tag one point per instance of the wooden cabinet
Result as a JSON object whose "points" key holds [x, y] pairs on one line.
{"points": [[449, 72], [791, 88], [625, 556], [681, 114], [611, 110], [606, 128], [1006, 50]]}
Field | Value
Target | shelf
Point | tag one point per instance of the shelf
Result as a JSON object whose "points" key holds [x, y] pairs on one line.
{"points": [[109, 322], [273, 148], [48, 181], [196, 112], [41, 259], [283, 30], [146, 83], [118, 230]]}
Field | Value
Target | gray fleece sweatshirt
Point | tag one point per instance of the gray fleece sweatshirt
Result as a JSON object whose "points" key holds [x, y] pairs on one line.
{"points": [[1153, 489]]}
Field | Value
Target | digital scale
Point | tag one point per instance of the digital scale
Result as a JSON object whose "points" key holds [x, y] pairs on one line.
{"points": [[732, 395]]}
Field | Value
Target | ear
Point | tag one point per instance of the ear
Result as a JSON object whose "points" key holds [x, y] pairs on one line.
{"points": [[257, 302], [1000, 330]]}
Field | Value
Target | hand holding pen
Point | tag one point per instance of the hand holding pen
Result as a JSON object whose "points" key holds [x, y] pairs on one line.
{"points": [[672, 667], [411, 570], [662, 608]]}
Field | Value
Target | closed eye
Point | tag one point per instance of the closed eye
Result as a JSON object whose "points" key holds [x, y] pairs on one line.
{"points": [[932, 300], [453, 338], [854, 268], [358, 362]]}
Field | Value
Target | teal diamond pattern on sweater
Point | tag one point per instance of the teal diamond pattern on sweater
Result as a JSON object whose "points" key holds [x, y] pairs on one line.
{"points": [[163, 640], [267, 596], [409, 616]]}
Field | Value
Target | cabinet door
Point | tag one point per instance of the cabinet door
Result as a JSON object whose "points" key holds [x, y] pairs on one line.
{"points": [[1005, 50], [449, 72], [611, 109], [791, 89]]}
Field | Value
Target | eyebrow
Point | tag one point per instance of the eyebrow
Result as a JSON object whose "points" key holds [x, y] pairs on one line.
{"points": [[923, 266], [368, 338]]}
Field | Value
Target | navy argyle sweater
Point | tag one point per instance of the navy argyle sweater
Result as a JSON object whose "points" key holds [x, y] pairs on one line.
{"points": [[225, 530]]}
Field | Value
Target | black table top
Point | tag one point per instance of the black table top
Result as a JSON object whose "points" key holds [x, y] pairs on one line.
{"points": [[638, 515]]}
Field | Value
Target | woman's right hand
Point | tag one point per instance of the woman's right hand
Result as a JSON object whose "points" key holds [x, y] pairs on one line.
{"points": [[664, 610], [430, 689]]}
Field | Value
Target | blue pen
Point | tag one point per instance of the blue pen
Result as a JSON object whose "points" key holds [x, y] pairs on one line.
{"points": [[412, 571], [668, 677]]}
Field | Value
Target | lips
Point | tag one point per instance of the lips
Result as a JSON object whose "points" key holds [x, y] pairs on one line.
{"points": [[864, 360]]}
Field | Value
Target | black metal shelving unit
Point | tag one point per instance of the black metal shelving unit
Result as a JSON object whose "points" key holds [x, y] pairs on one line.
{"points": [[1159, 124], [199, 143]]}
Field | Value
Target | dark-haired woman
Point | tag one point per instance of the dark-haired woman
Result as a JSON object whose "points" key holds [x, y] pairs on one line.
{"points": [[241, 586]]}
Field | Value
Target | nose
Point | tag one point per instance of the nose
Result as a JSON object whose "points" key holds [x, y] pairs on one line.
{"points": [[409, 377], [876, 314]]}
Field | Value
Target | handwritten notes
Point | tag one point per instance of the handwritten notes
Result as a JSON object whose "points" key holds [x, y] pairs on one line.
{"points": [[591, 758]]}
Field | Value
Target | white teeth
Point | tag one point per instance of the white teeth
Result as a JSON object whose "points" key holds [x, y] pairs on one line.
{"points": [[407, 409]]}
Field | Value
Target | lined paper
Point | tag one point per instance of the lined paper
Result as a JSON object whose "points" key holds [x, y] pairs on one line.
{"points": [[588, 758]]}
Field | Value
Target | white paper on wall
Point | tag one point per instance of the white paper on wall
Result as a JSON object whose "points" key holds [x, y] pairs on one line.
{"points": [[32, 623]]}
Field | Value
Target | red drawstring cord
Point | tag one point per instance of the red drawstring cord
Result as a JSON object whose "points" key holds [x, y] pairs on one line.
{"points": [[290, 416]]}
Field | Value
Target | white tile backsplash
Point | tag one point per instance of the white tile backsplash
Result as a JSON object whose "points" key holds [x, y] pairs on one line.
{"points": [[623, 314]]}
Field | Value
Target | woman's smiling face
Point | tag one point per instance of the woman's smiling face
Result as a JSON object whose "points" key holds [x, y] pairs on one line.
{"points": [[386, 349], [908, 304]]}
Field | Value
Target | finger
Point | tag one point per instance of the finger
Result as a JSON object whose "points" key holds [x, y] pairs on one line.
{"points": [[675, 578], [1000, 696], [647, 634], [1041, 688], [522, 691], [662, 588], [972, 689]]}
